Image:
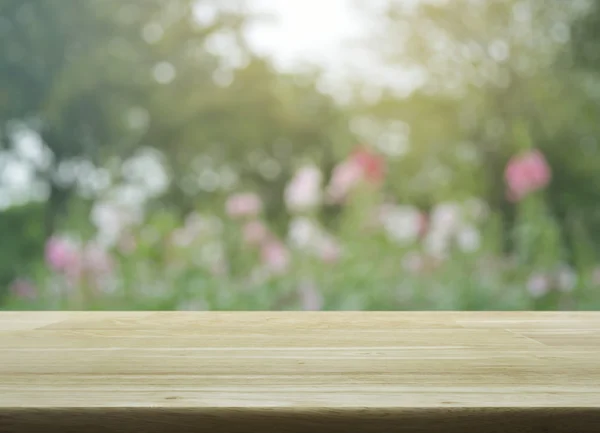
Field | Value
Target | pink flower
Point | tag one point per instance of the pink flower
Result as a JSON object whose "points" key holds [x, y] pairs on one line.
{"points": [[538, 285], [23, 289], [345, 176], [371, 164], [254, 233], [275, 256], [243, 205], [304, 191], [526, 173], [62, 255], [361, 165]]}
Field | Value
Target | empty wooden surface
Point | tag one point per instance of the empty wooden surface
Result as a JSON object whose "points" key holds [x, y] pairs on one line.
{"points": [[293, 372]]}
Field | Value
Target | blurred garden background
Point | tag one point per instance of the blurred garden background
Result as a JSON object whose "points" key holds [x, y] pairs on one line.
{"points": [[300, 155]]}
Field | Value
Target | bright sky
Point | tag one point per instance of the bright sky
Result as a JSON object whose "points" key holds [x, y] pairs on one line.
{"points": [[321, 32], [312, 30]]}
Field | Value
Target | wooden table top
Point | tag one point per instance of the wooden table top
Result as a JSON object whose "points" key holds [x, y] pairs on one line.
{"points": [[288, 372]]}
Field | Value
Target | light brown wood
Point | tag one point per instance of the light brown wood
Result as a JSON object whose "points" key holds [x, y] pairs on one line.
{"points": [[296, 372]]}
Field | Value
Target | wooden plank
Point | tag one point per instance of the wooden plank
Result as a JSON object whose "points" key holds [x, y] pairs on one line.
{"points": [[295, 372]]}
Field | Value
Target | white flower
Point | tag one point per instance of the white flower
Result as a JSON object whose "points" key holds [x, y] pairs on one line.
{"points": [[303, 193], [402, 224], [468, 239], [306, 235], [303, 233], [538, 285], [446, 217], [110, 220], [566, 279], [437, 243]]}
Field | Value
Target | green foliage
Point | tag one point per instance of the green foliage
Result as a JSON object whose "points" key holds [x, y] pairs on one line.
{"points": [[21, 243], [502, 75], [100, 80], [173, 266]]}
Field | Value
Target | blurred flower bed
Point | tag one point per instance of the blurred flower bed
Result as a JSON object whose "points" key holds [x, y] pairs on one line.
{"points": [[370, 253]]}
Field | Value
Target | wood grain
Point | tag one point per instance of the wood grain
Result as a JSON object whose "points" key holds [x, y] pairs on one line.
{"points": [[300, 372]]}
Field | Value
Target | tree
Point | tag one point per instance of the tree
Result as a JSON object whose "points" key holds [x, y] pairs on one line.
{"points": [[496, 76], [74, 70], [101, 80]]}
